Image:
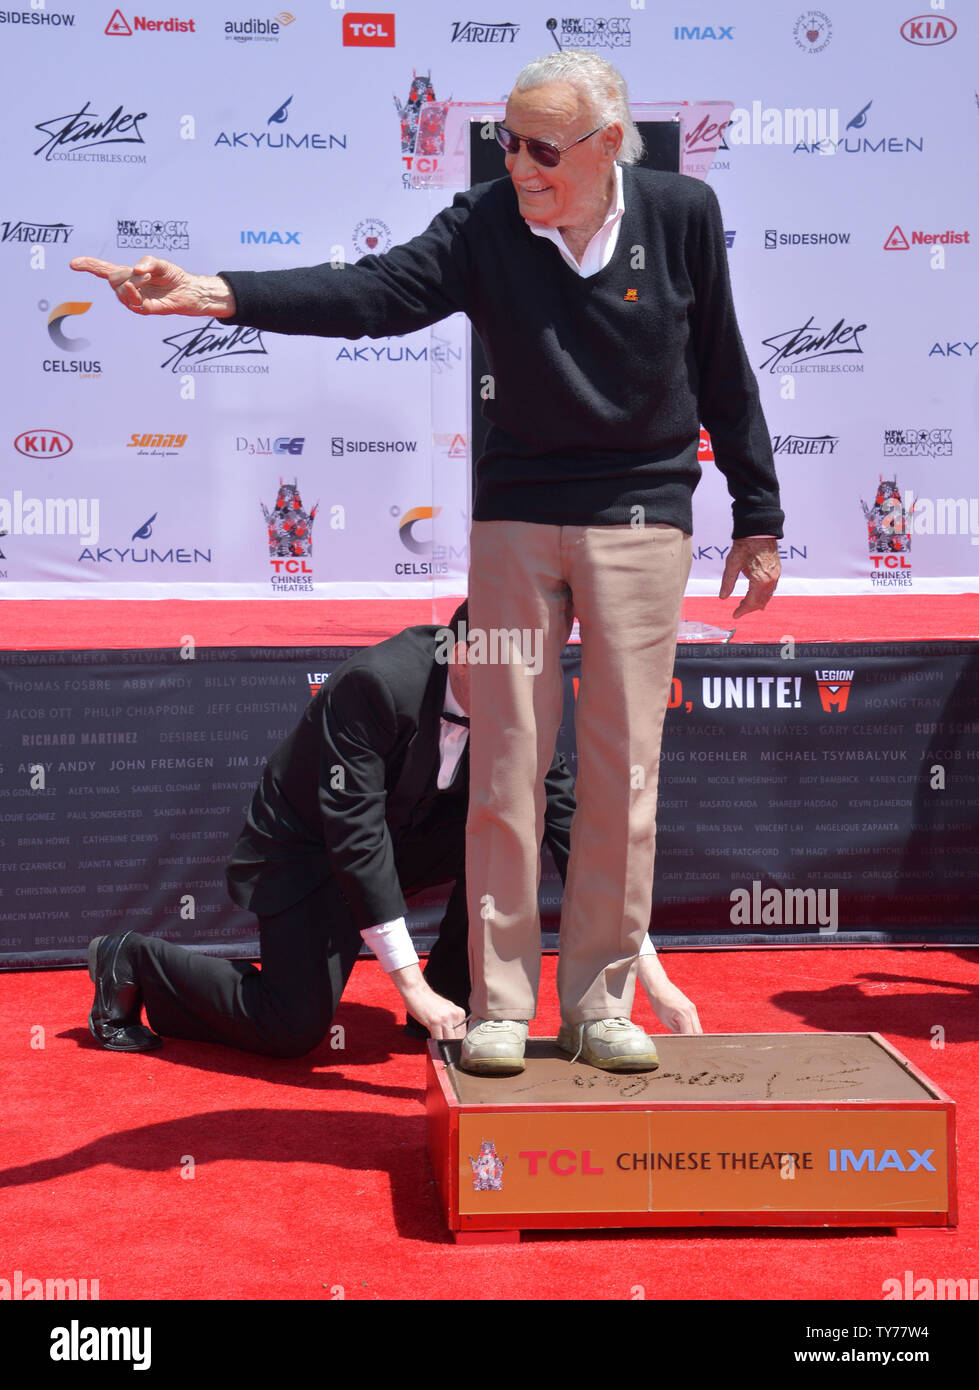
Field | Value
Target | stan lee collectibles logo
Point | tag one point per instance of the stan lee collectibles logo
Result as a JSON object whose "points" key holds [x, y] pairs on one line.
{"points": [[801, 349]]}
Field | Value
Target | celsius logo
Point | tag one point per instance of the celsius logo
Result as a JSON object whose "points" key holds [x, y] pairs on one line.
{"points": [[928, 29], [368, 30], [196, 348], [834, 690], [269, 140], [407, 524], [118, 27], [43, 444], [85, 129], [57, 317]]}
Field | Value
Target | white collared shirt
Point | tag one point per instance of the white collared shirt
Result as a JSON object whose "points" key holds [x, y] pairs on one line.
{"points": [[601, 248]]}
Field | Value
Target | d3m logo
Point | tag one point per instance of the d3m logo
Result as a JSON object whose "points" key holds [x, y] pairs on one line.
{"points": [[834, 690], [368, 30], [840, 1160], [57, 335], [43, 444], [487, 1168]]}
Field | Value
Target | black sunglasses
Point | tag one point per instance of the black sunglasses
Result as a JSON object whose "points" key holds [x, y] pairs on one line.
{"points": [[548, 156]]}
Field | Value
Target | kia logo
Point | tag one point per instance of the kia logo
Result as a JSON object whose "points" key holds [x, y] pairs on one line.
{"points": [[43, 443], [928, 29]]}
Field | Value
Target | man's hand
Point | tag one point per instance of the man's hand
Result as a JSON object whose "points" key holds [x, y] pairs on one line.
{"points": [[441, 1017], [756, 557], [670, 1005], [160, 287]]}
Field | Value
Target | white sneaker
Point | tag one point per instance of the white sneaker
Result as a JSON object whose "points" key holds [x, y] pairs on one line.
{"points": [[494, 1047]]}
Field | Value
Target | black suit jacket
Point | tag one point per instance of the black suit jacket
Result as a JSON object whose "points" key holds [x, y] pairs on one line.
{"points": [[339, 793]]}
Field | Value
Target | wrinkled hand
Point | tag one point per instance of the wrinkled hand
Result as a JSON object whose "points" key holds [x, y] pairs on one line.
{"points": [[757, 558], [670, 1005], [152, 286], [442, 1018]]}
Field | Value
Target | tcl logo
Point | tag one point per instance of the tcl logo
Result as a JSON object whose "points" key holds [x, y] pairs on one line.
{"points": [[926, 29], [43, 443], [368, 30]]}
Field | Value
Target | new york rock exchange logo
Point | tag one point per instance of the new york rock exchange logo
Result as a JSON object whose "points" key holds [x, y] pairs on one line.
{"points": [[290, 525], [487, 1168]]}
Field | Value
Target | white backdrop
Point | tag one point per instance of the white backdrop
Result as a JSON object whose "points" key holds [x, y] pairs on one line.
{"points": [[137, 456]]}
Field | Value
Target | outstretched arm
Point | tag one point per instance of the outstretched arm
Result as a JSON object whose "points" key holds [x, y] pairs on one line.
{"points": [[152, 286]]}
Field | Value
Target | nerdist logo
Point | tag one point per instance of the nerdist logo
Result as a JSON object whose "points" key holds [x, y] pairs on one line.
{"points": [[853, 141], [118, 26], [208, 348], [36, 233], [138, 552], [918, 443], [79, 366], [807, 347], [45, 444], [888, 537], [898, 241], [152, 234], [368, 30], [87, 129], [422, 132], [274, 138], [290, 537], [774, 238], [257, 30]]}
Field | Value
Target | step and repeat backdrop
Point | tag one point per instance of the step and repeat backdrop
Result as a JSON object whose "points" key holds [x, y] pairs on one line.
{"points": [[156, 457]]}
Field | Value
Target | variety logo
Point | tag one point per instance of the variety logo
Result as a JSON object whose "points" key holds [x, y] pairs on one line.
{"points": [[422, 132], [118, 26], [804, 443], [861, 144], [681, 31], [963, 348], [160, 445], [371, 237], [797, 349], [142, 234], [897, 241], [198, 349], [290, 535], [591, 33], [257, 30], [86, 130], [43, 444], [918, 443], [340, 446], [50, 516], [285, 444], [812, 31], [368, 30], [888, 536], [134, 554], [252, 238], [282, 140], [36, 233], [472, 31], [928, 30], [775, 238], [834, 690]]}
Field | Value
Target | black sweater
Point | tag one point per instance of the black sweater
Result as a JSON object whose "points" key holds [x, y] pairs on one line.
{"points": [[599, 385]]}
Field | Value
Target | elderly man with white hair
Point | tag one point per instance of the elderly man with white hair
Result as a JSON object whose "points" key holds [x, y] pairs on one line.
{"points": [[601, 294]]}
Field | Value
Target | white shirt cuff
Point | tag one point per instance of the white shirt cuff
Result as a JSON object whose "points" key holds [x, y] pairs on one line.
{"points": [[391, 943]]}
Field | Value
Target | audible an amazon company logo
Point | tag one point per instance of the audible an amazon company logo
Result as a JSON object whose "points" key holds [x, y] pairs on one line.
{"points": [[368, 31]]}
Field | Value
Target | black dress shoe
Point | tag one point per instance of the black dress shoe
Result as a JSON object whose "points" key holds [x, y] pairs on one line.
{"points": [[114, 1020]]}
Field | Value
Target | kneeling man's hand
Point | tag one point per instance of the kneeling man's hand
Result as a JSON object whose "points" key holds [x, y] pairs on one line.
{"points": [[443, 1019]]}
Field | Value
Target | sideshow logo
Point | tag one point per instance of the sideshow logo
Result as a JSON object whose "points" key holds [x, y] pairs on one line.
{"points": [[50, 516], [290, 536], [34, 16], [775, 238], [43, 444], [285, 140], [135, 554], [251, 238], [196, 349], [935, 443], [962, 348], [591, 33], [285, 444], [86, 130], [144, 234], [681, 31], [36, 233], [834, 690], [118, 26], [340, 446], [473, 31], [800, 348], [257, 30], [942, 516], [888, 536], [422, 132], [804, 443], [928, 30], [487, 1168], [897, 241], [368, 30], [160, 445], [371, 237], [859, 144], [813, 31]]}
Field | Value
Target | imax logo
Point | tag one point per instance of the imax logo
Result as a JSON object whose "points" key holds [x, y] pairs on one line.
{"points": [[269, 238], [681, 31], [842, 1160]]}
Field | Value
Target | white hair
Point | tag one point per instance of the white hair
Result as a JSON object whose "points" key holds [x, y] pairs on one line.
{"points": [[602, 86]]}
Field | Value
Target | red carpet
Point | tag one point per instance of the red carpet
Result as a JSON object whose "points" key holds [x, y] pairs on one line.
{"points": [[199, 1173], [42, 625]]}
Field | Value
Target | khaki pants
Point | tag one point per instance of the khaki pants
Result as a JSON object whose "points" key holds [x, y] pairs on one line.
{"points": [[625, 586]]}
